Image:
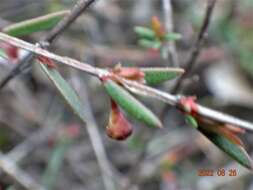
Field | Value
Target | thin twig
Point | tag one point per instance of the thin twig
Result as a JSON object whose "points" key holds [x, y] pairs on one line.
{"points": [[95, 138], [78, 9], [132, 86], [198, 45], [168, 20]]}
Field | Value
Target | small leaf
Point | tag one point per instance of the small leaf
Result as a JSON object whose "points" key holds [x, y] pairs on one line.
{"points": [[35, 25], [155, 76], [191, 121], [144, 32], [65, 90], [172, 36], [131, 105], [235, 151], [149, 44]]}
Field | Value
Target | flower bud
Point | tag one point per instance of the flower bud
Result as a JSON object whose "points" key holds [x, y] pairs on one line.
{"points": [[118, 127]]}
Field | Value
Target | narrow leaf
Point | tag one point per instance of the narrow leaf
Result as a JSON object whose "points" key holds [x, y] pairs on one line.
{"points": [[144, 32], [35, 25], [191, 121], [65, 90], [235, 151], [131, 105], [149, 44], [155, 76], [172, 36]]}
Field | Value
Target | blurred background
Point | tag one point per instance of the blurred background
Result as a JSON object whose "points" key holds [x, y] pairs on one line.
{"points": [[47, 142]]}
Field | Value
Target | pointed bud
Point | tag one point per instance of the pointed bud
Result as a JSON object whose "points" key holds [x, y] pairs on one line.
{"points": [[157, 27], [118, 127]]}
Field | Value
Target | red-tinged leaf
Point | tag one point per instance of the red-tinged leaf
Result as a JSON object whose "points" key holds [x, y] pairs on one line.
{"points": [[235, 129], [46, 61], [118, 128], [235, 151], [130, 73], [157, 27], [222, 130]]}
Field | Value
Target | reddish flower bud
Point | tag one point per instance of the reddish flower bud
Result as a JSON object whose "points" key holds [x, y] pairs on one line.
{"points": [[118, 127]]}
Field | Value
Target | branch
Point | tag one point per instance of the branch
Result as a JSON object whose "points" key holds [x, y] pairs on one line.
{"points": [[78, 9], [135, 87], [198, 45]]}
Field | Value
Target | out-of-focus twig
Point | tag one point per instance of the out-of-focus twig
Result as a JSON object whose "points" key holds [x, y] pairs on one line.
{"points": [[198, 45], [22, 178], [79, 8], [168, 21]]}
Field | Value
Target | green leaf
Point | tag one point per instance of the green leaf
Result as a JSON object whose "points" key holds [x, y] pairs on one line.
{"points": [[35, 25], [65, 90], [235, 151], [149, 43], [144, 32], [131, 105], [191, 121], [172, 36], [154, 76]]}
